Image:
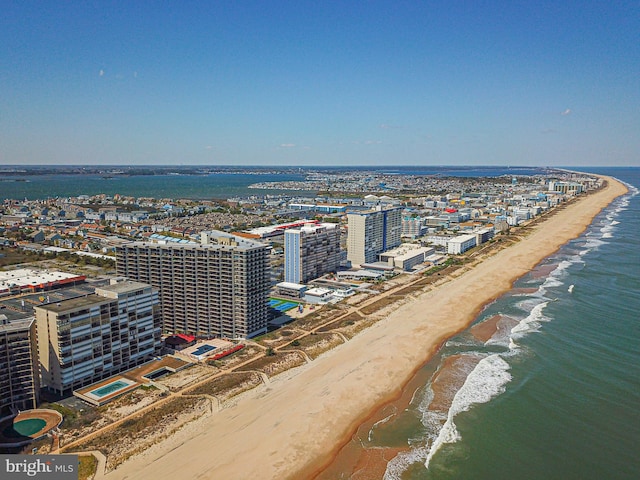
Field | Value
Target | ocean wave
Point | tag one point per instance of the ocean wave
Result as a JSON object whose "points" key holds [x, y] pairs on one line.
{"points": [[531, 323], [502, 338], [592, 244], [399, 464], [378, 423], [430, 419], [486, 381]]}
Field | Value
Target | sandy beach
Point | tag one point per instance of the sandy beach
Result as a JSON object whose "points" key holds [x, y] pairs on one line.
{"points": [[294, 427]]}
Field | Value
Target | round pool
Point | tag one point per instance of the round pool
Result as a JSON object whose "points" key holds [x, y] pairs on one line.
{"points": [[25, 428]]}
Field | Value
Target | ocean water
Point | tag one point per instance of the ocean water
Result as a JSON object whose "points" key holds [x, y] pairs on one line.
{"points": [[554, 393]]}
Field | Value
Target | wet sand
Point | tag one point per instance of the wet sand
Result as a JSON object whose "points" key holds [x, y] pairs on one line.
{"points": [[295, 427], [542, 271], [485, 330], [449, 379], [494, 327]]}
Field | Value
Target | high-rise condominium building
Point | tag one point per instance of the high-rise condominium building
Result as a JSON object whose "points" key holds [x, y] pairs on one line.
{"points": [[371, 233], [18, 365], [311, 251], [85, 339], [217, 289]]}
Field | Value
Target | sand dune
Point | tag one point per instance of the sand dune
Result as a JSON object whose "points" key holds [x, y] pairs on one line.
{"points": [[293, 427]]}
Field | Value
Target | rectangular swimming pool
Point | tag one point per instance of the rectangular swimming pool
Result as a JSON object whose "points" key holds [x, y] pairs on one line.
{"points": [[203, 349], [109, 388]]}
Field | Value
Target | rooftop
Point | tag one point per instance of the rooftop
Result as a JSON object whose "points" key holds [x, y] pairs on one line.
{"points": [[74, 303], [27, 277], [8, 325], [123, 286]]}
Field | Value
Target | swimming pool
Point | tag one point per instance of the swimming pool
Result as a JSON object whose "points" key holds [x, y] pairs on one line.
{"points": [[203, 349], [110, 388], [24, 428]]}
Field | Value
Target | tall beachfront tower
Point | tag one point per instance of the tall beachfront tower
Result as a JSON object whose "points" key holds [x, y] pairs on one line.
{"points": [[85, 339], [371, 233], [219, 288], [311, 251], [18, 364]]}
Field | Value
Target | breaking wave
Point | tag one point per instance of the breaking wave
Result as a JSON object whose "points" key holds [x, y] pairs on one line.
{"points": [[486, 381]]}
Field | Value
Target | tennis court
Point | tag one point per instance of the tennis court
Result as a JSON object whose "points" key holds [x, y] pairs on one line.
{"points": [[282, 305]]}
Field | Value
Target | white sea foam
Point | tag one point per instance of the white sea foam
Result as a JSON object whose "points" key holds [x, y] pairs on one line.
{"points": [[399, 464], [379, 422], [591, 244], [432, 420], [531, 323], [418, 453], [485, 382], [451, 343]]}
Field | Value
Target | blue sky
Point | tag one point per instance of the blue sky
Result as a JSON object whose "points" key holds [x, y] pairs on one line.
{"points": [[320, 83]]}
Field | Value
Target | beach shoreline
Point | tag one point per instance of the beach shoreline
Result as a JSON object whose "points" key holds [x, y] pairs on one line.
{"points": [[296, 427]]}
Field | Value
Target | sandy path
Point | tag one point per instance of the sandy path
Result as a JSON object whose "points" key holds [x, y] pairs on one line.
{"points": [[297, 424]]}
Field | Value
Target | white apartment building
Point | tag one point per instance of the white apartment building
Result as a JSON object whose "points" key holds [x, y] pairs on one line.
{"points": [[406, 256], [412, 227], [461, 244]]}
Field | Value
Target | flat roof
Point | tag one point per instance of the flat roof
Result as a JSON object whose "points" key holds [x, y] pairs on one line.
{"points": [[29, 277], [317, 291], [14, 325], [359, 273], [124, 286], [74, 303], [291, 285]]}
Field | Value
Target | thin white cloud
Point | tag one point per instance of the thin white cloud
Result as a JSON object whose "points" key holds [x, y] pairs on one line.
{"points": [[208, 147], [287, 145], [101, 73], [566, 112], [373, 142], [135, 74], [386, 126]]}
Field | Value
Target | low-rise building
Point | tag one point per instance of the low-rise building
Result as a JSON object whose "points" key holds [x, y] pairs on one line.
{"points": [[461, 244], [290, 290], [406, 256]]}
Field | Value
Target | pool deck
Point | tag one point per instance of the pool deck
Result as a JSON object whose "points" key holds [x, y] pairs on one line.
{"points": [[135, 377], [86, 395], [52, 418], [169, 362], [219, 344]]}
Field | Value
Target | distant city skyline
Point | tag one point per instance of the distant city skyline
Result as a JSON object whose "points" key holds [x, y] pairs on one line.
{"points": [[320, 83]]}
